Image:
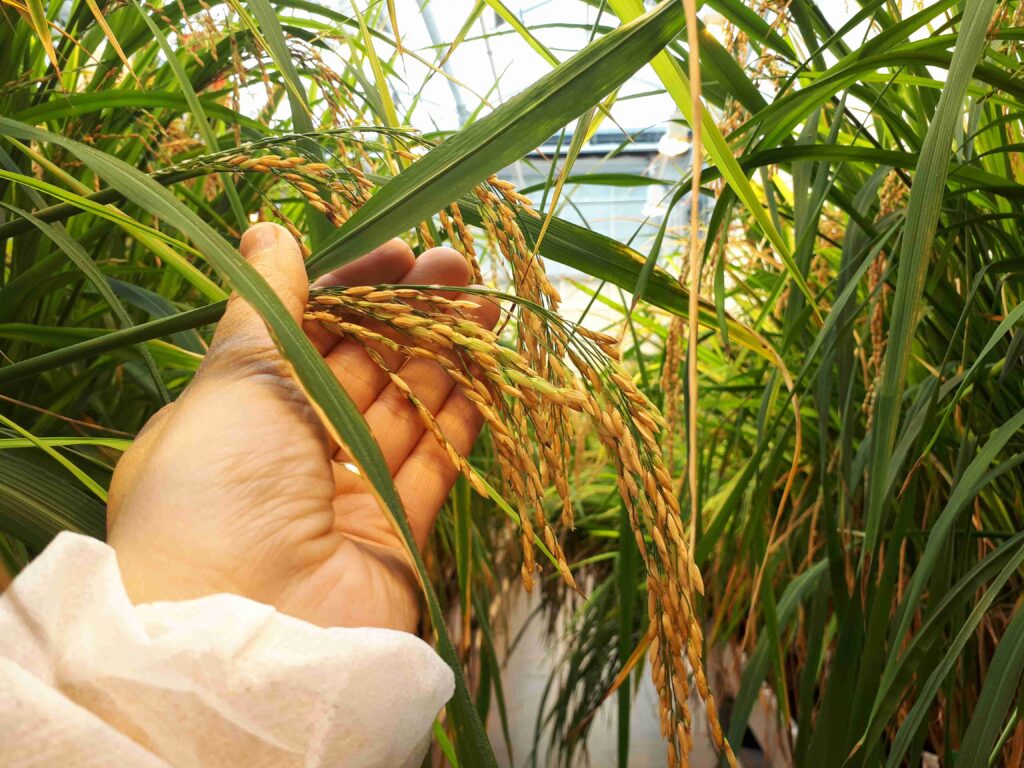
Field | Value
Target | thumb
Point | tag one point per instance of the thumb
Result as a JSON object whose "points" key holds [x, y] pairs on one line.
{"points": [[273, 252]]}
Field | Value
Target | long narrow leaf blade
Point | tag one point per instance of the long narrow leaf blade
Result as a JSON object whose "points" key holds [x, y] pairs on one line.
{"points": [[488, 145]]}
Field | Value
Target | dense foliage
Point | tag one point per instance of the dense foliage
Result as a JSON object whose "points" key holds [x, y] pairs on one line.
{"points": [[861, 496]]}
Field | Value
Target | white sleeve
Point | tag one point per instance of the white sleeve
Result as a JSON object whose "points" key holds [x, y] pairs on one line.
{"points": [[88, 679]]}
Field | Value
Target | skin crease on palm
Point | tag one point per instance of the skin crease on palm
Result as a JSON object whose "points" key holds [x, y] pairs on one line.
{"points": [[236, 487]]}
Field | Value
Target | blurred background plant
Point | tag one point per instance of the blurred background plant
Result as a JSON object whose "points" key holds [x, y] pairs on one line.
{"points": [[859, 451]]}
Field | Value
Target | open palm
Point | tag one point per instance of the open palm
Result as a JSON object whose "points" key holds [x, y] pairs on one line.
{"points": [[236, 487]]}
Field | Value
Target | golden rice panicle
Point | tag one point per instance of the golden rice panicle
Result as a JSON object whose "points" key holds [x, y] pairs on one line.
{"points": [[529, 278], [672, 384], [509, 395], [461, 238], [526, 396], [673, 577], [541, 348], [517, 401], [336, 194]]}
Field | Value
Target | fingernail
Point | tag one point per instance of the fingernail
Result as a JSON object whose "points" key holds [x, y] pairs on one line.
{"points": [[262, 237], [326, 281]]}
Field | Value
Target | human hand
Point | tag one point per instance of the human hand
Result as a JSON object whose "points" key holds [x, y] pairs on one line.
{"points": [[236, 486]]}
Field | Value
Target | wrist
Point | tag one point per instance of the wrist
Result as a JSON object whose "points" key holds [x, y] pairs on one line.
{"points": [[151, 576]]}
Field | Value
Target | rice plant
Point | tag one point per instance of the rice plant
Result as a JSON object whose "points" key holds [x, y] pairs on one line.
{"points": [[798, 443]]}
